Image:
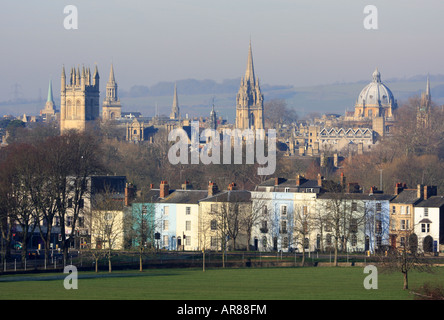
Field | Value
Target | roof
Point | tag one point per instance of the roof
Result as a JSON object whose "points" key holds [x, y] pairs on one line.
{"points": [[230, 196], [356, 196], [175, 196], [407, 196], [290, 183], [432, 202]]}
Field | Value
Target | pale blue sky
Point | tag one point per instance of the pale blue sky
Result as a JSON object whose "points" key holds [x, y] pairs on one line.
{"points": [[295, 42]]}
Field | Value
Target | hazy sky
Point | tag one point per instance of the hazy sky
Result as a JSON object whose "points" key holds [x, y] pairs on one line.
{"points": [[295, 42]]}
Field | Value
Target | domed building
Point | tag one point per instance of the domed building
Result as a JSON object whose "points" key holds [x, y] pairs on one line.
{"points": [[375, 100]]}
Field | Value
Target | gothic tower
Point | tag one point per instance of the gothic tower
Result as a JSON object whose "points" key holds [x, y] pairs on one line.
{"points": [[175, 113], [249, 100], [213, 119], [111, 108], [424, 109], [79, 99]]}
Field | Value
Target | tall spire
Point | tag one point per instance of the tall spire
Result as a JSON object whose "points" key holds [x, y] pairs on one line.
{"points": [[249, 73], [428, 86], [111, 74], [175, 109], [50, 96]]}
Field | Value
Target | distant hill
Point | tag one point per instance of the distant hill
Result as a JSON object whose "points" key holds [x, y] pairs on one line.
{"points": [[196, 96]]}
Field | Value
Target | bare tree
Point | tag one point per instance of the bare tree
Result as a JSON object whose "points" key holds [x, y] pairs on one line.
{"points": [[405, 257]]}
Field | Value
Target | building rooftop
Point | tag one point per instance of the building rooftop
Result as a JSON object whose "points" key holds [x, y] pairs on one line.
{"points": [[432, 202]]}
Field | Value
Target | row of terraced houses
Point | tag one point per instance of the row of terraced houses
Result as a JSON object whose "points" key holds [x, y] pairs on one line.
{"points": [[280, 214]]}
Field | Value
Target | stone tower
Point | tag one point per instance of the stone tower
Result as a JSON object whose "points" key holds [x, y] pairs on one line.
{"points": [[249, 100], [79, 99], [175, 112], [111, 108], [424, 109], [213, 119]]}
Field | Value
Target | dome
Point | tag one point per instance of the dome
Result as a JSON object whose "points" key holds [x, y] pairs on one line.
{"points": [[376, 94]]}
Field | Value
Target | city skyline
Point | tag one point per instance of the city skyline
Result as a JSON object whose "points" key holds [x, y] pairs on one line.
{"points": [[298, 44]]}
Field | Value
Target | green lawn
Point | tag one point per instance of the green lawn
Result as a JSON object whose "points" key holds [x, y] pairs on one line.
{"points": [[218, 284]]}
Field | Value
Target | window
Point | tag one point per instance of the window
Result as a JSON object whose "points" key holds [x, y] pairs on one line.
{"points": [[378, 207], [264, 210], [329, 240], [354, 240], [353, 225], [407, 210], [213, 208], [81, 222], [402, 241], [393, 209], [188, 211], [213, 242], [354, 206], [402, 210], [166, 210], [264, 228], [264, 242], [284, 226], [69, 221], [285, 242], [284, 210], [425, 227], [287, 189], [188, 241], [426, 212], [213, 224], [404, 224], [187, 225], [165, 225], [165, 241], [108, 216]]}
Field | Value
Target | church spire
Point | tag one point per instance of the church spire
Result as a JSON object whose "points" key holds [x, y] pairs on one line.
{"points": [[249, 73], [175, 109], [111, 74], [50, 96]]}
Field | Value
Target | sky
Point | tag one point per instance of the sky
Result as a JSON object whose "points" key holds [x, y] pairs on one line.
{"points": [[295, 42]]}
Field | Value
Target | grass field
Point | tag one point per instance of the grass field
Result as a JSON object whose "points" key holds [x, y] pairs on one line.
{"points": [[310, 283]]}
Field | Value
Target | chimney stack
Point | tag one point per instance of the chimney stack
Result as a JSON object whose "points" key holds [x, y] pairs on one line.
{"points": [[319, 180], [430, 191], [186, 185], [232, 186], [129, 193], [164, 189], [398, 188], [342, 180], [420, 191], [212, 188]]}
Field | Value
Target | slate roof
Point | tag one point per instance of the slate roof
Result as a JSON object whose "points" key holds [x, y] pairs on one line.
{"points": [[407, 196], [356, 196], [289, 183], [175, 196], [432, 202], [230, 196]]}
